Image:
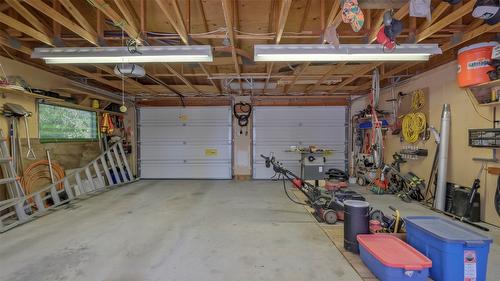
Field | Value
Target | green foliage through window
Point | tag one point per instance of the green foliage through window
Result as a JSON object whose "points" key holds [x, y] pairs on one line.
{"points": [[58, 123]]}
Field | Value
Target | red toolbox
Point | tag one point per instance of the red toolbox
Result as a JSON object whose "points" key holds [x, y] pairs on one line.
{"points": [[389, 258]]}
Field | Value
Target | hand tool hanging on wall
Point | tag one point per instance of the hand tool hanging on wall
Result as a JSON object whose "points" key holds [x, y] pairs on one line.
{"points": [[242, 111], [30, 154], [15, 112]]}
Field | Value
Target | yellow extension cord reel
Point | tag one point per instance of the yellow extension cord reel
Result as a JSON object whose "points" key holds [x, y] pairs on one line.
{"points": [[414, 123]]}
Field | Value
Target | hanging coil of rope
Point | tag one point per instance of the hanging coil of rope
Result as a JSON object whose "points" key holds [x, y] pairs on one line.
{"points": [[39, 171], [242, 112], [414, 123]]}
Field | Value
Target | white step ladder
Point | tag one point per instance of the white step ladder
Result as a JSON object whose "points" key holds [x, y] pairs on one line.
{"points": [[108, 170]]}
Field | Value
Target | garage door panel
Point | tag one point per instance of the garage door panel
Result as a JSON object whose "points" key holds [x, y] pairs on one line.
{"points": [[185, 134], [212, 170], [158, 151], [188, 114], [278, 128], [186, 142]]}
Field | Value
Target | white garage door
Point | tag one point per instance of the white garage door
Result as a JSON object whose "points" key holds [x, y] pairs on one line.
{"points": [[185, 143], [275, 129]]}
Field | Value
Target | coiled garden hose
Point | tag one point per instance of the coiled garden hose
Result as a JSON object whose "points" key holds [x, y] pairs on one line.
{"points": [[414, 123]]}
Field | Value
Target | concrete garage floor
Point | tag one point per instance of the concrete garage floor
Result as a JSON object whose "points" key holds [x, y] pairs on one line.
{"points": [[175, 230], [187, 230]]}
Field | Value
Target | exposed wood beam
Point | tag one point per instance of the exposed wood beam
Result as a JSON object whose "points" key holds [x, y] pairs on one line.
{"points": [[485, 28], [296, 77], [382, 4], [128, 13], [304, 17], [364, 70], [32, 19], [228, 18], [142, 17], [280, 26], [334, 18], [447, 20], [77, 15], [436, 13], [399, 15], [172, 12], [323, 78], [64, 21], [106, 9], [182, 78], [28, 30], [283, 15]]}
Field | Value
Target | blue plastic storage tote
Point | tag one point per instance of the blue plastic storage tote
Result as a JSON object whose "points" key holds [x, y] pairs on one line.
{"points": [[390, 259], [457, 253]]}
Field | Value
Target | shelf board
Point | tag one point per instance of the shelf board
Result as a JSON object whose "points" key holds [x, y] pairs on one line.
{"points": [[26, 93], [495, 103], [53, 100]]}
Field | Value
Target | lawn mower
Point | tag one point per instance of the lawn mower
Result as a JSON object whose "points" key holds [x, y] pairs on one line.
{"points": [[328, 206]]}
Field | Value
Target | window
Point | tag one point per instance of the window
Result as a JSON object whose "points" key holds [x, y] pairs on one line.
{"points": [[58, 124]]}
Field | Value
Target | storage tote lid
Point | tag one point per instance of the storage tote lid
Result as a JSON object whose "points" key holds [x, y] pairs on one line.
{"points": [[393, 252], [447, 230], [357, 203]]}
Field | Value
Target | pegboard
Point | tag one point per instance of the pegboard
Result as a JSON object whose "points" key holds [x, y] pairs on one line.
{"points": [[405, 103]]}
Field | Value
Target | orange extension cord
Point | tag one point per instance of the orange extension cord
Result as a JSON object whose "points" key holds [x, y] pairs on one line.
{"points": [[40, 170]]}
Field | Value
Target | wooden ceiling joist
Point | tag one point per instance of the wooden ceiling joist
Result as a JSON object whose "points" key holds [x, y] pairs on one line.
{"points": [[284, 9], [171, 11], [32, 19], [26, 29], [78, 16], [296, 77], [447, 20], [335, 15], [436, 13], [64, 21], [119, 21], [127, 12]]}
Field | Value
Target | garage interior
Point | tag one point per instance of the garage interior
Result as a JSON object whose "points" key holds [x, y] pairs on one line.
{"points": [[249, 140]]}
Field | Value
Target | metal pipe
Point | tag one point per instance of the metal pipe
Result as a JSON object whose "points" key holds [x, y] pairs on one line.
{"points": [[440, 200]]}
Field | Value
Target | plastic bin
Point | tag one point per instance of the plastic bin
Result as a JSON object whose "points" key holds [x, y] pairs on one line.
{"points": [[457, 253], [389, 258]]}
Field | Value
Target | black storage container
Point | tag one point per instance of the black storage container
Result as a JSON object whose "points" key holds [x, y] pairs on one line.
{"points": [[356, 218], [460, 201]]}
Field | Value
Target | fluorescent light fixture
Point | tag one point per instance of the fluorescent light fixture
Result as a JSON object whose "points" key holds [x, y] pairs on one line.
{"points": [[144, 54], [345, 52]]}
